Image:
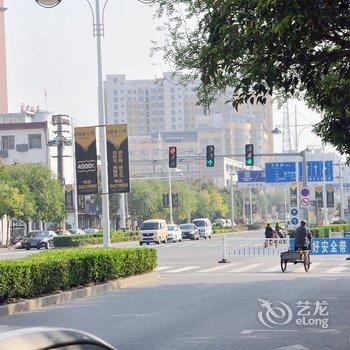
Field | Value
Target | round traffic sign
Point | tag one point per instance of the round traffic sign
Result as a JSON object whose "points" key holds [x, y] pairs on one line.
{"points": [[305, 192], [305, 202], [294, 221], [294, 212]]}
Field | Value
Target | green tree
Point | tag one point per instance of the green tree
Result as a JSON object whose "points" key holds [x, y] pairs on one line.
{"points": [[41, 189], [297, 48]]}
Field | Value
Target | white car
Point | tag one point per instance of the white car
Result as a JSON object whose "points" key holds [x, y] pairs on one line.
{"points": [[174, 233], [90, 231]]}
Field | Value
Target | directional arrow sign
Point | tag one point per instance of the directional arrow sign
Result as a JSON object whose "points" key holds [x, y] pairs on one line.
{"points": [[249, 161], [209, 162]]}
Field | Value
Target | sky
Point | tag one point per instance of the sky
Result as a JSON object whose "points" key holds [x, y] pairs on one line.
{"points": [[53, 50]]}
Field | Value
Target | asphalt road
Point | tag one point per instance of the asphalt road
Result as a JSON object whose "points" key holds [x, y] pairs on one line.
{"points": [[200, 304]]}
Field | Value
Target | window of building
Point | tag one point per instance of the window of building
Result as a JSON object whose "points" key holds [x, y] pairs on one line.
{"points": [[115, 80], [8, 142], [115, 99], [173, 127], [115, 107], [172, 112], [173, 120], [115, 114], [173, 97], [34, 141], [115, 92], [69, 198], [172, 89], [115, 121], [172, 105]]}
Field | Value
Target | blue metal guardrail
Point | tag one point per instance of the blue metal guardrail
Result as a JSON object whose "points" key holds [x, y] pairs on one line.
{"points": [[327, 246]]}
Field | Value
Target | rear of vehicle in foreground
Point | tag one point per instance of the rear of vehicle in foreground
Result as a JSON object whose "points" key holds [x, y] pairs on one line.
{"points": [[153, 231]]}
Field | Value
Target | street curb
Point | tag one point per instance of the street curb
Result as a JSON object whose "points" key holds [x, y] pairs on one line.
{"points": [[59, 298]]}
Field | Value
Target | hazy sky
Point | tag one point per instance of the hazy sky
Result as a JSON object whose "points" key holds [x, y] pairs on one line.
{"points": [[53, 49]]}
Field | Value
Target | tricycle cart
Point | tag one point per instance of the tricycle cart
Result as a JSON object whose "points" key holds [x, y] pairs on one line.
{"points": [[296, 257]]}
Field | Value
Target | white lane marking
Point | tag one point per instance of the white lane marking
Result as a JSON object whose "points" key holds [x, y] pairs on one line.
{"points": [[336, 269], [246, 268], [301, 268], [161, 268], [272, 269], [215, 245], [186, 245], [183, 269], [217, 268]]}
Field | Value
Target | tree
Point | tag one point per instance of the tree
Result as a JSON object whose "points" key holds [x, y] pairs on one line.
{"points": [[41, 189], [297, 48]]}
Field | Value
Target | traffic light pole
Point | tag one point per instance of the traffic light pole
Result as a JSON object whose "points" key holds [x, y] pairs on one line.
{"points": [[170, 198]]}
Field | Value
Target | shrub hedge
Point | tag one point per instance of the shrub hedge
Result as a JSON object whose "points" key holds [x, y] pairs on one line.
{"points": [[91, 239], [61, 269]]}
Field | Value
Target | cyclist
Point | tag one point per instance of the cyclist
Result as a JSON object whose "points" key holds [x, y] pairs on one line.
{"points": [[302, 237], [268, 235]]}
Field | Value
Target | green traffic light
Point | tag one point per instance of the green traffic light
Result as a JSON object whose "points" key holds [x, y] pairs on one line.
{"points": [[249, 161], [210, 163]]}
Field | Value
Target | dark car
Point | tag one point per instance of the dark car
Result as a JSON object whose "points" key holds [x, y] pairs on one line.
{"points": [[189, 231], [42, 239]]}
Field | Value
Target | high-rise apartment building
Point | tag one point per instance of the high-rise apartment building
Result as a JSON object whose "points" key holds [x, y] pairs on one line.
{"points": [[3, 80], [166, 106]]}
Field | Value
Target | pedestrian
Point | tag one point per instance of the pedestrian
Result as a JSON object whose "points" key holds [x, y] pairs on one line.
{"points": [[268, 235], [278, 231]]}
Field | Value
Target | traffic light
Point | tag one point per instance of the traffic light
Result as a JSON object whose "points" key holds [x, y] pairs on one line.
{"points": [[249, 154], [172, 157], [210, 156]]}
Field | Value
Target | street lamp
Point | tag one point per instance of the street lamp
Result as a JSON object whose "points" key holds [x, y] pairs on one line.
{"points": [[48, 3], [98, 32]]}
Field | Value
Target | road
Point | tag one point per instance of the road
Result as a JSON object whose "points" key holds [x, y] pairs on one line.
{"points": [[200, 304]]}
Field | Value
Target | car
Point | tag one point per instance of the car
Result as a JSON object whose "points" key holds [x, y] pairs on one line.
{"points": [[77, 232], [219, 223], [189, 231], [204, 226], [24, 240], [91, 231], [42, 239], [153, 231], [37, 338], [174, 233]]}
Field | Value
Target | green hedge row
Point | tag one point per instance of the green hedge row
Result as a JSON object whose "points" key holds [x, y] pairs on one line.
{"points": [[91, 239], [237, 228], [61, 269]]}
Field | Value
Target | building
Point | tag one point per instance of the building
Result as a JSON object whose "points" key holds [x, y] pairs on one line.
{"points": [[36, 137], [3, 79], [166, 107]]}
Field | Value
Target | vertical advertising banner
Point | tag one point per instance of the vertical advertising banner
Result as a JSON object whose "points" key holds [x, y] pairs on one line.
{"points": [[293, 195], [319, 196], [86, 160], [118, 158], [330, 196]]}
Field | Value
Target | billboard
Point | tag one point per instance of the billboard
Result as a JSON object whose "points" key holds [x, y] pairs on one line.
{"points": [[86, 160], [118, 158]]}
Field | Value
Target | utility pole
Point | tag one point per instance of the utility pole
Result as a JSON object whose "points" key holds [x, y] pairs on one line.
{"points": [[170, 198], [341, 190], [189, 187], [324, 190], [250, 207], [232, 203]]}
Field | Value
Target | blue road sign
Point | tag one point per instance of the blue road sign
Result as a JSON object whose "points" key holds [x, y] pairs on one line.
{"points": [[285, 171], [280, 172], [294, 221], [327, 246], [294, 212]]}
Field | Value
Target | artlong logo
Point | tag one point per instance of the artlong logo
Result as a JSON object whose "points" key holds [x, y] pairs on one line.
{"points": [[273, 315]]}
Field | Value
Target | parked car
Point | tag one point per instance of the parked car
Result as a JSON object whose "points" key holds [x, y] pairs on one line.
{"points": [[153, 231], [204, 226], [78, 232], [25, 239], [90, 231], [219, 223], [42, 239], [189, 231], [174, 233]]}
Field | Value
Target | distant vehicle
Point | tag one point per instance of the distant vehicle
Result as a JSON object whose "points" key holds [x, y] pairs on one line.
{"points": [[229, 223], [153, 231], [220, 222], [42, 239], [174, 233], [90, 231], [64, 233], [189, 231], [24, 240], [204, 226], [79, 232]]}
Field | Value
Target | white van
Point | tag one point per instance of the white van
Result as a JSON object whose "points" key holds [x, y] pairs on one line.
{"points": [[153, 231], [204, 227]]}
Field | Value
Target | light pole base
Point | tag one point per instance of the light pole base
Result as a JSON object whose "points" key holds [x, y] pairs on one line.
{"points": [[224, 261]]}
